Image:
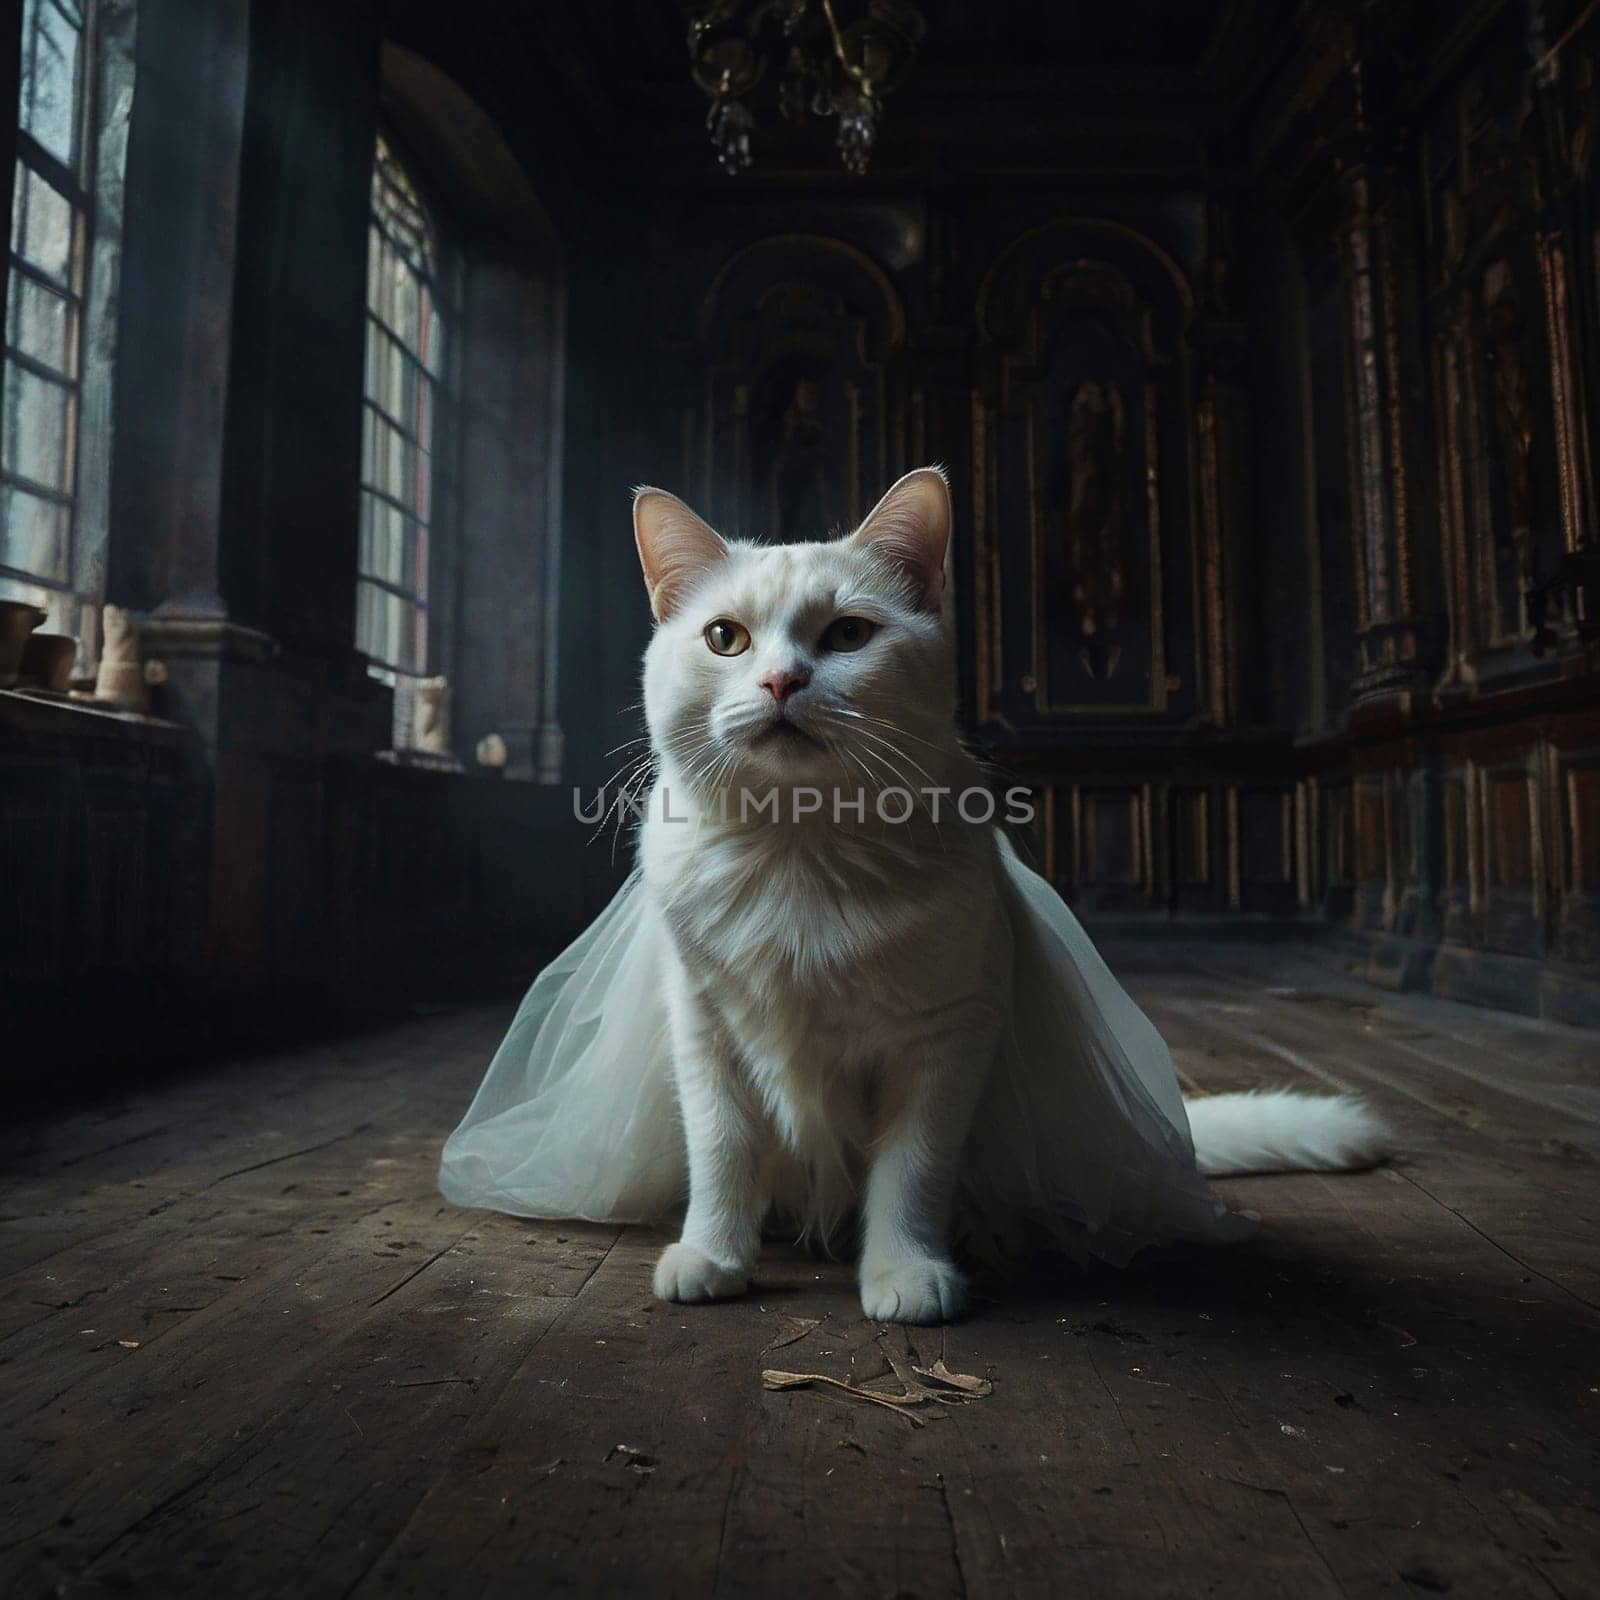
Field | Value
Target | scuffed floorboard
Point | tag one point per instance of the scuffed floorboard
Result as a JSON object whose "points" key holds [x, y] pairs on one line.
{"points": [[246, 1349]]}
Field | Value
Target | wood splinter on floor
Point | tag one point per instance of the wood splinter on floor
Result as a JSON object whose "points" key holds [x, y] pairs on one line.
{"points": [[950, 1386]]}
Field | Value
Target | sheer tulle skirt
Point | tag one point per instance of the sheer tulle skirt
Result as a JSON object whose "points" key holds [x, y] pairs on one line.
{"points": [[577, 1116], [1080, 1141]]}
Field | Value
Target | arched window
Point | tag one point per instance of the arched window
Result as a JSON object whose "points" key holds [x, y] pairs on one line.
{"points": [[460, 540], [409, 338]]}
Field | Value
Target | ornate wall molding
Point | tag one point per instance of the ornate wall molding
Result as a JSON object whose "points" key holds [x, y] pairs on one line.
{"points": [[803, 416]]}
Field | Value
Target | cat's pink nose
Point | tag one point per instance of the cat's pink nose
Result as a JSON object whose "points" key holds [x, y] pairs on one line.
{"points": [[780, 685]]}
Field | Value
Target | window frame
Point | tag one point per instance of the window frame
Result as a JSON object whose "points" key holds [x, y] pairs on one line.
{"points": [[79, 189], [444, 282]]}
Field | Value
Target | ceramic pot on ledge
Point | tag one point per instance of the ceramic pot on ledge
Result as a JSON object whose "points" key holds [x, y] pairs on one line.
{"points": [[18, 619], [47, 660]]}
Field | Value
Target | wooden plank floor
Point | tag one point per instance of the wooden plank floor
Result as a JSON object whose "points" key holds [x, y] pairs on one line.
{"points": [[246, 1349]]}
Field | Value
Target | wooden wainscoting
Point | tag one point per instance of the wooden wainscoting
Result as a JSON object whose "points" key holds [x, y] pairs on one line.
{"points": [[1447, 848], [1475, 833], [1169, 836]]}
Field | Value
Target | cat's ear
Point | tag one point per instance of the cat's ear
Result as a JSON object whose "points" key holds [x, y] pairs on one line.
{"points": [[675, 547], [911, 526]]}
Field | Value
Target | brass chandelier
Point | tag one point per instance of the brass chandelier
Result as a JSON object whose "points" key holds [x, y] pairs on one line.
{"points": [[829, 68]]}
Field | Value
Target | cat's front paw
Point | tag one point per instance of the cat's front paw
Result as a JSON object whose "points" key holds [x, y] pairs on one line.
{"points": [[912, 1289], [686, 1274]]}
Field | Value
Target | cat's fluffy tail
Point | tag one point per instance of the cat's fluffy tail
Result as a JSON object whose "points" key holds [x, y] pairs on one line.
{"points": [[1282, 1130]]}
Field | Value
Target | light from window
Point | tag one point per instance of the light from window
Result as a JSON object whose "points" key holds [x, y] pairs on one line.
{"points": [[404, 383], [50, 217]]}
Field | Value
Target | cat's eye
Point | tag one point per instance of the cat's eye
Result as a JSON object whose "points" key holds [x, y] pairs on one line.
{"points": [[727, 638], [848, 633]]}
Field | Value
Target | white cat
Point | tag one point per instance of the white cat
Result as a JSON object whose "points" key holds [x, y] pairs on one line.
{"points": [[839, 985], [837, 973]]}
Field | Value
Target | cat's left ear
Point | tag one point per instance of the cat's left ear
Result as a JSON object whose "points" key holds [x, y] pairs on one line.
{"points": [[675, 547], [911, 526]]}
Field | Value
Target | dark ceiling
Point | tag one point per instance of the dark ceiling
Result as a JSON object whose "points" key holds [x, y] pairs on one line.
{"points": [[1116, 86], [1164, 33], [643, 39]]}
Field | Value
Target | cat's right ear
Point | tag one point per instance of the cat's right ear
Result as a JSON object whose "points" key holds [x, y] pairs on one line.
{"points": [[911, 527], [675, 547]]}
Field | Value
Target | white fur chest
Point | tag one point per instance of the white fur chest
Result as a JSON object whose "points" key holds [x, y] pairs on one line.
{"points": [[819, 942]]}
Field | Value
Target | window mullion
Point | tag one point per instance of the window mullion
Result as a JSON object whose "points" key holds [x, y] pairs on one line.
{"points": [[36, 579], [43, 370], [45, 281], [391, 421], [410, 513], [399, 591], [52, 169], [42, 490]]}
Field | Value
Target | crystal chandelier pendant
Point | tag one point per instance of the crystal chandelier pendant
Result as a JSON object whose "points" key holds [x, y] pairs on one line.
{"points": [[730, 125], [858, 129]]}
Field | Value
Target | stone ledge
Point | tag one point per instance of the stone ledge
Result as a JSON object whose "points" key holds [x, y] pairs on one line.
{"points": [[40, 712]]}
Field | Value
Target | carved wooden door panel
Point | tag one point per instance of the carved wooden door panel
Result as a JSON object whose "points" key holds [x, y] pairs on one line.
{"points": [[1085, 601]]}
